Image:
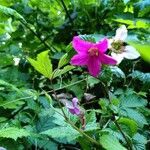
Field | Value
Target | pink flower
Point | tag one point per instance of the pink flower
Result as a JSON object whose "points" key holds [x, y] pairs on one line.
{"points": [[91, 55], [73, 106]]}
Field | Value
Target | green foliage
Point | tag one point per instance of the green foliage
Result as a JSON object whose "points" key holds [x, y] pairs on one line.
{"points": [[109, 142], [59, 72], [131, 124], [13, 133], [144, 77], [30, 115], [9, 11], [42, 64]]}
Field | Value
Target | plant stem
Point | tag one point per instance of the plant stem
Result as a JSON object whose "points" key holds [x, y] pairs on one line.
{"points": [[70, 122], [69, 85], [124, 136], [67, 13], [35, 34], [107, 93], [60, 105], [84, 134]]}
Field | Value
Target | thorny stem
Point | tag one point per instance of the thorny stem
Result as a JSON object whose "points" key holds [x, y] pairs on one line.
{"points": [[70, 122]]}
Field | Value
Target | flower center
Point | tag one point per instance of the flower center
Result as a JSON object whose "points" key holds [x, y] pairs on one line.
{"points": [[93, 51], [117, 46]]}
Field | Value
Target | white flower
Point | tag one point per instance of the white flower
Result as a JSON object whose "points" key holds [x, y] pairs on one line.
{"points": [[16, 61], [116, 45]]}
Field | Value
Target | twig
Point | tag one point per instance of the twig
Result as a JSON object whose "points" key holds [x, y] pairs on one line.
{"points": [[67, 13], [115, 121], [34, 33], [67, 86], [71, 123], [124, 136], [60, 105]]}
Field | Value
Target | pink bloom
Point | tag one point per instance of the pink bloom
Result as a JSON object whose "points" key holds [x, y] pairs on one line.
{"points": [[91, 54], [73, 106]]}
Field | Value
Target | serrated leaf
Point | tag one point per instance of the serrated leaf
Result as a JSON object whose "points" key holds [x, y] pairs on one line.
{"points": [[132, 101], [42, 64], [13, 87], [117, 71], [109, 142], [46, 121], [144, 77], [11, 104], [59, 72], [63, 61], [139, 141], [131, 124], [46, 144], [137, 116], [13, 133], [67, 133], [89, 38], [91, 122]]}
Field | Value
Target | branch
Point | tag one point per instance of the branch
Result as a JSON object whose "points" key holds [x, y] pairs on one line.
{"points": [[67, 13], [34, 33], [71, 123]]}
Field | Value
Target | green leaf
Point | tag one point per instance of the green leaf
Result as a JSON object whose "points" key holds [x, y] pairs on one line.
{"points": [[91, 81], [91, 122], [142, 47], [59, 72], [13, 133], [42, 64], [9, 11], [144, 77], [137, 116], [136, 23], [117, 72], [132, 101], [89, 38], [131, 124], [63, 61], [109, 142], [139, 141], [13, 104], [45, 144], [67, 133], [13, 87]]}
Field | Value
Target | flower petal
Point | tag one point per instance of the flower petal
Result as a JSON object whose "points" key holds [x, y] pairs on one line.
{"points": [[121, 33], [131, 52], [102, 45], [74, 102], [117, 57], [80, 45], [75, 111], [110, 41], [69, 105], [79, 59], [94, 66], [108, 60]]}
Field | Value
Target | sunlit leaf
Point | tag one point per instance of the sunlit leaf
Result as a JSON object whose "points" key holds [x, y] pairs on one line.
{"points": [[42, 64]]}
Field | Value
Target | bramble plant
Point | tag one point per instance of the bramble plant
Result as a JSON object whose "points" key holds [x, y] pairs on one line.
{"points": [[74, 75]]}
